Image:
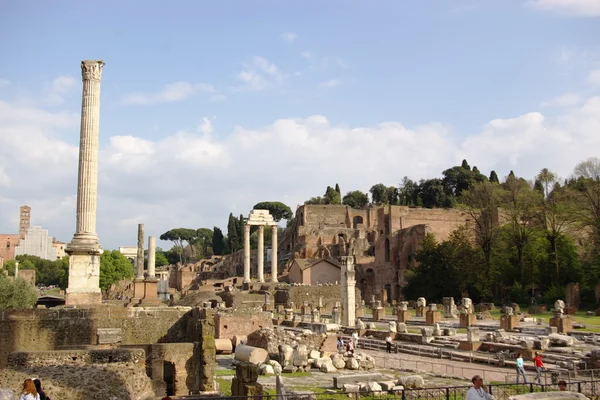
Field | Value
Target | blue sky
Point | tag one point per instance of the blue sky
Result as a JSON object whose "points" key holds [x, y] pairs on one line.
{"points": [[218, 105]]}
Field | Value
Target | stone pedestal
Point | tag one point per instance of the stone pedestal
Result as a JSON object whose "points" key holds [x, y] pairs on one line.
{"points": [[402, 316], [432, 317], [305, 309], [138, 291], [378, 314], [467, 320], [360, 311], [509, 322], [150, 293], [84, 279], [420, 311], [563, 323]]}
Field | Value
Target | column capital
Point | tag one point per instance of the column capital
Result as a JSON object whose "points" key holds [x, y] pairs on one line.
{"points": [[92, 70]]}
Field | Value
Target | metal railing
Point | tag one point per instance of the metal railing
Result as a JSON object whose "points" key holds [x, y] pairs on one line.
{"points": [[590, 389]]}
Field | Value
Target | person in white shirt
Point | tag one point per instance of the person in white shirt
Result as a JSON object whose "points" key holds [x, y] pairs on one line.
{"points": [[355, 338], [479, 391], [388, 343]]}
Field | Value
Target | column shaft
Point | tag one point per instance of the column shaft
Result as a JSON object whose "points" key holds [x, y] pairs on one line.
{"points": [[261, 253], [87, 186], [151, 257], [274, 253], [140, 253], [246, 253]]}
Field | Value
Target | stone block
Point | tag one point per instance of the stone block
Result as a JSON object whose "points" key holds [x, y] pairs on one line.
{"points": [[249, 354], [109, 335], [378, 314], [563, 324], [469, 346], [402, 316], [509, 322], [432, 317], [224, 346], [352, 379], [467, 320]]}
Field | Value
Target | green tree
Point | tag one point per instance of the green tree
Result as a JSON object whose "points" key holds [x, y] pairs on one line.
{"points": [[494, 177], [332, 196], [392, 195], [218, 242], [114, 267], [519, 204], [204, 241], [16, 294], [481, 203], [337, 189], [465, 165], [432, 194], [161, 260], [356, 199], [174, 235], [378, 194], [408, 193], [315, 201], [233, 239], [458, 179], [547, 177], [277, 209]]}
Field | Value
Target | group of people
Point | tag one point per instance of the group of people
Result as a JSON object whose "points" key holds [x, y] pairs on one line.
{"points": [[348, 346], [32, 390], [479, 391], [537, 362]]}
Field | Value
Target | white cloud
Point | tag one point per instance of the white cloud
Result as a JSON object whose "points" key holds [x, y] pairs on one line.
{"points": [[259, 74], [330, 83], [196, 177], [594, 77], [289, 36], [58, 89], [206, 127], [171, 92], [4, 82], [565, 100], [573, 8]]}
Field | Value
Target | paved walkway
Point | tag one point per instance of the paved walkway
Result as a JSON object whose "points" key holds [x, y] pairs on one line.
{"points": [[439, 366]]}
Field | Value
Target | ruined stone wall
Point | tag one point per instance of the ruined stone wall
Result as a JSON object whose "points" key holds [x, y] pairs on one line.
{"points": [[240, 323], [82, 374], [299, 294], [41, 330]]}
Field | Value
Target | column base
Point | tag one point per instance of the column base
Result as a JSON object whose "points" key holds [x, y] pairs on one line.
{"points": [[150, 287], [83, 299]]}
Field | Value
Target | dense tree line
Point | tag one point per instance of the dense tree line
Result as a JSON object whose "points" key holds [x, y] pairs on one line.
{"points": [[527, 240], [195, 244]]}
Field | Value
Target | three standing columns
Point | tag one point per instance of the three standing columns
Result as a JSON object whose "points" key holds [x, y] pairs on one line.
{"points": [[261, 254]]}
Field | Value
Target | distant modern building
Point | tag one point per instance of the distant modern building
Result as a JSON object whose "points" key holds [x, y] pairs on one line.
{"points": [[37, 243], [60, 249], [9, 242]]}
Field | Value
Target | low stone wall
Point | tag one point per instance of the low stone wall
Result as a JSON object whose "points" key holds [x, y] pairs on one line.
{"points": [[299, 294], [270, 340], [81, 374], [240, 323], [51, 329], [239, 300]]}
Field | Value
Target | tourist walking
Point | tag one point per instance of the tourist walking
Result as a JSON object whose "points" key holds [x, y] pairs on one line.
{"points": [[355, 338], [539, 366], [350, 347], [38, 387], [388, 343], [479, 391], [520, 368], [29, 391]]}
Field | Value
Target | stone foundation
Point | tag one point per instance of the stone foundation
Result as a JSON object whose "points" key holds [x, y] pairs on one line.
{"points": [[432, 317], [378, 314], [563, 324], [467, 320], [509, 322], [403, 316], [82, 298]]}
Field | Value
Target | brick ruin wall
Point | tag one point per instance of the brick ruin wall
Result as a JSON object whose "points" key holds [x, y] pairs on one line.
{"points": [[299, 294], [240, 323]]}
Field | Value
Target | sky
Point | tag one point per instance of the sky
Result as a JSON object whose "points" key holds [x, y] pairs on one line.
{"points": [[208, 108]]}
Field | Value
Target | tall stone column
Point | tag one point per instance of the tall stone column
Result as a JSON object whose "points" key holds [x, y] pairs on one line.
{"points": [[84, 250], [139, 274], [151, 257], [348, 285], [273, 253], [246, 253], [261, 253]]}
